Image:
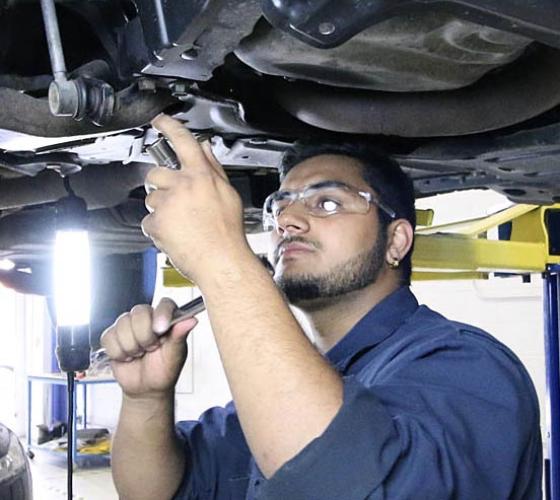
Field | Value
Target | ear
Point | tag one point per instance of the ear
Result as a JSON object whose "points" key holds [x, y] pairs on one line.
{"points": [[400, 236]]}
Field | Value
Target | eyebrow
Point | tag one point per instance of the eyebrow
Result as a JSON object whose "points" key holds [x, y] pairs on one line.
{"points": [[321, 184]]}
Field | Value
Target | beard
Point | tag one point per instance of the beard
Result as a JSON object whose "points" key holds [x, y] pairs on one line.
{"points": [[354, 274]]}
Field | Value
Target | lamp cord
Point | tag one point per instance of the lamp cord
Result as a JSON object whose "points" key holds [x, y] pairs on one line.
{"points": [[70, 432], [67, 186]]}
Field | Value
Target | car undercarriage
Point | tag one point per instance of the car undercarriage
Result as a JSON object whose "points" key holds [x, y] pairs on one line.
{"points": [[463, 94]]}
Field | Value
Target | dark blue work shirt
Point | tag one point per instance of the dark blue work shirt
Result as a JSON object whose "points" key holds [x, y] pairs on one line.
{"points": [[433, 409]]}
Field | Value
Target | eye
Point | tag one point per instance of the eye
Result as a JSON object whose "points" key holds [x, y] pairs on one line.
{"points": [[328, 205]]}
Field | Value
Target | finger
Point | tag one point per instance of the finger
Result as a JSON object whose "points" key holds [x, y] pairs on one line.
{"points": [[181, 330], [110, 341], [148, 224], [154, 199], [163, 314], [189, 151], [141, 323], [125, 337], [110, 344], [160, 178], [216, 165], [145, 225]]}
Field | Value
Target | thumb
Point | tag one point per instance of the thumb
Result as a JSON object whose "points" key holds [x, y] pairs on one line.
{"points": [[180, 331]]}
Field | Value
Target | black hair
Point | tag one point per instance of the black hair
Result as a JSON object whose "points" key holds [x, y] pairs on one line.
{"points": [[383, 174]]}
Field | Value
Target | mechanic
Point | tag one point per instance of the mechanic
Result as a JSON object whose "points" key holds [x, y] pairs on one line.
{"points": [[391, 401]]}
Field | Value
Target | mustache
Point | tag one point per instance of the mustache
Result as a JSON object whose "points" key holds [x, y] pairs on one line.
{"points": [[293, 239]]}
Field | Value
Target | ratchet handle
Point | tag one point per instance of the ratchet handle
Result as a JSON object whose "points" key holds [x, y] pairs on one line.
{"points": [[188, 310]]}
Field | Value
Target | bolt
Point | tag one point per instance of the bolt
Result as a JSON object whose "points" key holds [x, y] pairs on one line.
{"points": [[327, 28], [190, 54], [179, 88], [146, 84], [64, 98]]}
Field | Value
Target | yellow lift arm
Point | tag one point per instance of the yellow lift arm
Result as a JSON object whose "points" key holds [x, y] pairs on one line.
{"points": [[462, 250]]}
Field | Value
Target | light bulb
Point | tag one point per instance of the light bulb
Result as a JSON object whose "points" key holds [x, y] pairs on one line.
{"points": [[72, 277], [6, 265]]}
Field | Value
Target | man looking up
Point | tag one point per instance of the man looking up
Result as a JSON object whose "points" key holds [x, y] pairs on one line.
{"points": [[391, 400]]}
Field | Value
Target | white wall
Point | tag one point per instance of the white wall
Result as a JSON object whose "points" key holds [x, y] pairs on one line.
{"points": [[24, 337]]}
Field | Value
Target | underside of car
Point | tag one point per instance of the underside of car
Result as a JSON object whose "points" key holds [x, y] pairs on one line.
{"points": [[462, 93]]}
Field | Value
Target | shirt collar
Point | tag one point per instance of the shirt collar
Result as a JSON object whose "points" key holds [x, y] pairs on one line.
{"points": [[380, 322]]}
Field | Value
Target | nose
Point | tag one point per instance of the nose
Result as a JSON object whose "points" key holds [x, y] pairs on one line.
{"points": [[293, 220]]}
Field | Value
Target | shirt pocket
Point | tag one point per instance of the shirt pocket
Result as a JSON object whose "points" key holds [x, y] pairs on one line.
{"points": [[238, 487]]}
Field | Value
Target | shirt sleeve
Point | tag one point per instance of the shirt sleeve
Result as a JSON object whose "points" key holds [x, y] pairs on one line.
{"points": [[447, 420], [217, 456]]}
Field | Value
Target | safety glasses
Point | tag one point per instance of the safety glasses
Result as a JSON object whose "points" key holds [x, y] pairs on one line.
{"points": [[322, 200]]}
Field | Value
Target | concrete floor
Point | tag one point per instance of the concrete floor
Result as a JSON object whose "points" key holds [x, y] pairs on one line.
{"points": [[92, 481]]}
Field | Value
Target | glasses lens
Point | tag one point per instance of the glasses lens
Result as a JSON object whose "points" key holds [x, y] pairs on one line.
{"points": [[274, 204], [320, 201], [280, 200], [328, 200]]}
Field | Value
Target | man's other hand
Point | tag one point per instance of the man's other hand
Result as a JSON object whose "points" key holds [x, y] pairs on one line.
{"points": [[146, 359]]}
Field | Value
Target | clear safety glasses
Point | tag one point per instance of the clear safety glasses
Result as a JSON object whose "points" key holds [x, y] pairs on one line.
{"points": [[322, 200]]}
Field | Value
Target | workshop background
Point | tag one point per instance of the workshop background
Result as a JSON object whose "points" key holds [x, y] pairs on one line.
{"points": [[511, 308]]}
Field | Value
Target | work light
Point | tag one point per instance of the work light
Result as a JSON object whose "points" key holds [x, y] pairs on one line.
{"points": [[6, 265], [72, 277], [72, 283]]}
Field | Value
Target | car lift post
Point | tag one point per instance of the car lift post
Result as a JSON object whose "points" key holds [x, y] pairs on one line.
{"points": [[552, 359]]}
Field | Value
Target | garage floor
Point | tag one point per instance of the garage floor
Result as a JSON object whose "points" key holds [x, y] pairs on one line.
{"points": [[90, 483]]}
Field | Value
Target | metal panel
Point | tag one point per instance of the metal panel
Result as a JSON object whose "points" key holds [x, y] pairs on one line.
{"points": [[328, 23], [189, 39]]}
